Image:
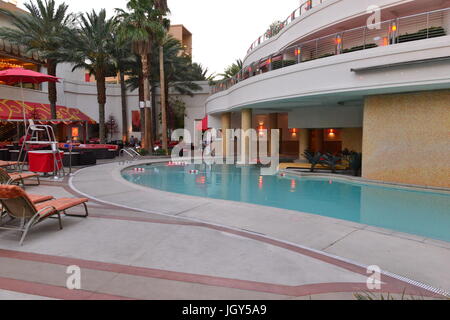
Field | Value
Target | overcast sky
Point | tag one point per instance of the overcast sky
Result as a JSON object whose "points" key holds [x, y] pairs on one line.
{"points": [[222, 30]]}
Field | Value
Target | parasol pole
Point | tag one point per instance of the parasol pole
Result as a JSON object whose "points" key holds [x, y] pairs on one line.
{"points": [[23, 107], [20, 166]]}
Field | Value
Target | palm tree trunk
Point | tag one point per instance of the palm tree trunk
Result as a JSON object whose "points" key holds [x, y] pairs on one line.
{"points": [[101, 97], [147, 140], [142, 100], [123, 94], [154, 115], [52, 93], [163, 100], [168, 110]]}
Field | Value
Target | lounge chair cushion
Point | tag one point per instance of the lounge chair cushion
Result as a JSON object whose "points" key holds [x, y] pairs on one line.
{"points": [[8, 163], [36, 198], [17, 176], [11, 192], [60, 204]]}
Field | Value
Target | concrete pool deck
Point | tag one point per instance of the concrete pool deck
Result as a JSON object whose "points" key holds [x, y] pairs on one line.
{"points": [[141, 243]]}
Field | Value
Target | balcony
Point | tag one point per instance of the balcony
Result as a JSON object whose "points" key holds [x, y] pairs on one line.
{"points": [[411, 28], [300, 11]]}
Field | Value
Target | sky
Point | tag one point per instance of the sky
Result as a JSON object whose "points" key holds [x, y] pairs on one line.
{"points": [[222, 30]]}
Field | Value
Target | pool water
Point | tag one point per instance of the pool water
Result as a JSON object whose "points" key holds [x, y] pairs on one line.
{"points": [[421, 213]]}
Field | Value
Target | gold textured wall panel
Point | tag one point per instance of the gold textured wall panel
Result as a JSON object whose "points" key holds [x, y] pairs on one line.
{"points": [[406, 138]]}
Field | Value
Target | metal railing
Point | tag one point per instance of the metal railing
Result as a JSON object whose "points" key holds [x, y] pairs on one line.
{"points": [[305, 7], [391, 32], [131, 152]]}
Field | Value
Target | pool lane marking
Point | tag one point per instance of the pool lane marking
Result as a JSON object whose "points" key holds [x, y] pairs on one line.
{"points": [[314, 253]]}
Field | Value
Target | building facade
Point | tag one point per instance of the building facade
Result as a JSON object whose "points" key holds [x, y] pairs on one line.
{"points": [[367, 76]]}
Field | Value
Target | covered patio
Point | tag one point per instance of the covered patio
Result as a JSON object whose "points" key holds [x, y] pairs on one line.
{"points": [[71, 123]]}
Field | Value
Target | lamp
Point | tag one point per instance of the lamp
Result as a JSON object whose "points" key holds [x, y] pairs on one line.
{"points": [[261, 129], [293, 132], [331, 133]]}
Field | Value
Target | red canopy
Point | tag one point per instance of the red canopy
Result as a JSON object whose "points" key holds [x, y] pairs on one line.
{"points": [[12, 110], [17, 75]]}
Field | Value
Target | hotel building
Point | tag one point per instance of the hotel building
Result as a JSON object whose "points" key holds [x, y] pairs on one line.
{"points": [[345, 74]]}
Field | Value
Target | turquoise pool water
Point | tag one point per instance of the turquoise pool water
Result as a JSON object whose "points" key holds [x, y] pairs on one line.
{"points": [[422, 213]]}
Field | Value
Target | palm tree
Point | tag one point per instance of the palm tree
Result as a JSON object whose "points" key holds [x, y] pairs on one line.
{"points": [[180, 73], [163, 9], [140, 25], [91, 48], [232, 70], [201, 73], [41, 31], [124, 60]]}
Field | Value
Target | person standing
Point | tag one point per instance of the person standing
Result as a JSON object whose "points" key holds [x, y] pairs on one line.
{"points": [[132, 141]]}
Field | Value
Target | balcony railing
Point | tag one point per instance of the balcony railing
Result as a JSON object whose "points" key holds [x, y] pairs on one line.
{"points": [[391, 32], [305, 7]]}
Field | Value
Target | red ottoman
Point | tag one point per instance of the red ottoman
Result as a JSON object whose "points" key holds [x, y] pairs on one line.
{"points": [[42, 161]]}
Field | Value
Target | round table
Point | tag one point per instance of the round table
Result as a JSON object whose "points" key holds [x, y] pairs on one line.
{"points": [[42, 161]]}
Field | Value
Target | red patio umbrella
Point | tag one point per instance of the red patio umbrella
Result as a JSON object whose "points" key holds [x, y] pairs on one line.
{"points": [[20, 75]]}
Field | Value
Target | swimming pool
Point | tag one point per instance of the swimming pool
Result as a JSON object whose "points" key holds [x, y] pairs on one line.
{"points": [[421, 213]]}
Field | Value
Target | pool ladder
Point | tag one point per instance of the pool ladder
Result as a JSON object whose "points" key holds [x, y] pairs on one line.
{"points": [[130, 152]]}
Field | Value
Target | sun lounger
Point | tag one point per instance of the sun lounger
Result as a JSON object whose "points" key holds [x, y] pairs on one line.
{"points": [[18, 205], [16, 178], [34, 198]]}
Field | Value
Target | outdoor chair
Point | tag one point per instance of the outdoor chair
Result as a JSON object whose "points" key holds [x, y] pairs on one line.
{"points": [[35, 198], [17, 178], [18, 206]]}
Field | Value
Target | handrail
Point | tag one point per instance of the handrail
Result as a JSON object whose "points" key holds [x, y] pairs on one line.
{"points": [[133, 154], [304, 7], [386, 33]]}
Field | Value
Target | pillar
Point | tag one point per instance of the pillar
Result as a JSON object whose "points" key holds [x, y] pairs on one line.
{"points": [[303, 139], [246, 124], [226, 125], [273, 124]]}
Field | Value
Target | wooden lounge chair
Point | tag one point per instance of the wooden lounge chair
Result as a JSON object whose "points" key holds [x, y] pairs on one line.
{"points": [[17, 178], [18, 205]]}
